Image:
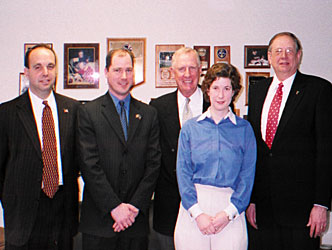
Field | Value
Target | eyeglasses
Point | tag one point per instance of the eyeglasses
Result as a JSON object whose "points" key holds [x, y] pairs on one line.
{"points": [[288, 51]]}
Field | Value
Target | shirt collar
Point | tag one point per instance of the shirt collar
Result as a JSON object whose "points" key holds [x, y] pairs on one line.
{"points": [[35, 99], [287, 82], [197, 95], [116, 100], [207, 114]]}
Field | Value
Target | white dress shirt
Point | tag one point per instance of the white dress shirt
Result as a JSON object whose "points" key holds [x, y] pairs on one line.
{"points": [[269, 97], [37, 108], [195, 104]]}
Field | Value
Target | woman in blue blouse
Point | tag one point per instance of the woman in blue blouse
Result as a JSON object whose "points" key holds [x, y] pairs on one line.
{"points": [[215, 169]]}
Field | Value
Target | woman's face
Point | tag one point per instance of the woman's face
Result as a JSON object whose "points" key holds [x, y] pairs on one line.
{"points": [[221, 93]]}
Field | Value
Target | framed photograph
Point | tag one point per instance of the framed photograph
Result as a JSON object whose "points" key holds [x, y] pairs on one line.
{"points": [[164, 54], [23, 84], [28, 46], [204, 56], [222, 54], [252, 78], [138, 47], [256, 56], [81, 65]]}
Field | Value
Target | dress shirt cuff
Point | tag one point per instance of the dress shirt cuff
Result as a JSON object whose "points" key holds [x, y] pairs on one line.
{"points": [[194, 211], [317, 205], [231, 211]]}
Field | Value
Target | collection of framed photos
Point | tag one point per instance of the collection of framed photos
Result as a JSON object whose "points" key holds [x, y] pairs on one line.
{"points": [[81, 62]]}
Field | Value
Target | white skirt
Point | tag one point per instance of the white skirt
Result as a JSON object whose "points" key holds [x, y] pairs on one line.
{"points": [[211, 200]]}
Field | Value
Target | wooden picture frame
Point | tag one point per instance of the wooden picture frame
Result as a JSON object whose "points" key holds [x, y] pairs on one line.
{"points": [[138, 47], [255, 56], [23, 84], [252, 78], [222, 54], [163, 63], [81, 66], [204, 56]]}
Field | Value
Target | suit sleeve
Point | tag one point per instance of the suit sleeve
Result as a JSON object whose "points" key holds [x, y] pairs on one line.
{"points": [[142, 197], [323, 131], [93, 175], [3, 149]]}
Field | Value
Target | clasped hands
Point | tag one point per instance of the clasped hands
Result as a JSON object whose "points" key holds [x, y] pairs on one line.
{"points": [[124, 216], [212, 225]]}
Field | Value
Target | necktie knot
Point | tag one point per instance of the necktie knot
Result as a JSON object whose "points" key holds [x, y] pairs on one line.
{"points": [[45, 103]]}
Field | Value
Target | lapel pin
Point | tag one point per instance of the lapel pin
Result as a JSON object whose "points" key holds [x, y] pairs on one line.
{"points": [[65, 111], [297, 92], [138, 116]]}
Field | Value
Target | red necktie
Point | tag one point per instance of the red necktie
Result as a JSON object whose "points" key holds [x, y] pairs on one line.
{"points": [[273, 115], [49, 153]]}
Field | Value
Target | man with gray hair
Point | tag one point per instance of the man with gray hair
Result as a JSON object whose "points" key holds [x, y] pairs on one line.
{"points": [[173, 110]]}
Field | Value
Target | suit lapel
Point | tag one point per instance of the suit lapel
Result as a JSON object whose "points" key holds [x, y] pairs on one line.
{"points": [[25, 113], [295, 95], [135, 117], [112, 117], [64, 120]]}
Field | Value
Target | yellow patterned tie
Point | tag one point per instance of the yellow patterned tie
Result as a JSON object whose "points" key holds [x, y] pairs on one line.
{"points": [[49, 153]]}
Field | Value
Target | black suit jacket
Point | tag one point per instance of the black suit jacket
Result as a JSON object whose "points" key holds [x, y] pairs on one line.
{"points": [[116, 171], [295, 174], [21, 166], [167, 197]]}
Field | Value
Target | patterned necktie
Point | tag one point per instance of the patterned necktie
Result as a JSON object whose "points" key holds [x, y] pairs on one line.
{"points": [[49, 153], [273, 115], [187, 114], [123, 118]]}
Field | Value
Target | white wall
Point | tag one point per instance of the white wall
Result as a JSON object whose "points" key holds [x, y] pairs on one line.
{"points": [[191, 22]]}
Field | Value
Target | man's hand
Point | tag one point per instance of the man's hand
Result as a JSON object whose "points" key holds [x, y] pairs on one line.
{"points": [[124, 216], [204, 223], [220, 221], [251, 215], [317, 221]]}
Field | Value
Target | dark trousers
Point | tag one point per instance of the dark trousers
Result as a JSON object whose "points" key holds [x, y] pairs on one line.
{"points": [[278, 237], [47, 233], [92, 242]]}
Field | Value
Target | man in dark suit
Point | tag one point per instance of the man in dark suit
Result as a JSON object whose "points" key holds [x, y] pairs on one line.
{"points": [[291, 115], [120, 153], [186, 68], [39, 213]]}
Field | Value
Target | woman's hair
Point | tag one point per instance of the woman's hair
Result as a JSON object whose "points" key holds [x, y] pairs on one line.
{"points": [[225, 70]]}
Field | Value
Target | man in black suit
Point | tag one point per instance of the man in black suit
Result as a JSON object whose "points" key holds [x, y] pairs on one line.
{"points": [[291, 193], [186, 68], [120, 153], [37, 214]]}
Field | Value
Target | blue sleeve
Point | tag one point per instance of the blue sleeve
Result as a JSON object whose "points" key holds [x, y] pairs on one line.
{"points": [[241, 196], [185, 170]]}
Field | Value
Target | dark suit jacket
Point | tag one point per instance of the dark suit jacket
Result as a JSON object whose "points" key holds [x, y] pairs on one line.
{"points": [[167, 197], [295, 174], [115, 171], [21, 166]]}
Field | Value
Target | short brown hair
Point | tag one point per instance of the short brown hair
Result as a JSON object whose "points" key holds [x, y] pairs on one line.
{"points": [[121, 51], [225, 70], [37, 46]]}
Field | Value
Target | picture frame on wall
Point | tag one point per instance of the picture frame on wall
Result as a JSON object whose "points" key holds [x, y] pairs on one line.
{"points": [[204, 56], [28, 46], [163, 63], [222, 54], [255, 56], [81, 65], [252, 78], [138, 47], [23, 84]]}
